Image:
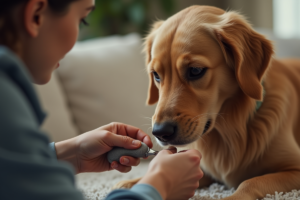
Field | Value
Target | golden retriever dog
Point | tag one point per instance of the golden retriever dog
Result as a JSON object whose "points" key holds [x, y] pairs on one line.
{"points": [[218, 89]]}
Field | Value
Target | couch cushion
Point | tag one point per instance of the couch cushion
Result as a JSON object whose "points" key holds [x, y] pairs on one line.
{"points": [[105, 81], [284, 48], [58, 124]]}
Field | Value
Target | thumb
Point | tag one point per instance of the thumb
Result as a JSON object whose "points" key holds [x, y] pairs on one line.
{"points": [[121, 141]]}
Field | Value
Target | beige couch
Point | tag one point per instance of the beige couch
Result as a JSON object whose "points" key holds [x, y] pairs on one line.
{"points": [[99, 81]]}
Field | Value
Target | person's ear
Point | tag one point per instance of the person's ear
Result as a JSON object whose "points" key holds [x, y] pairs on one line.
{"points": [[34, 16]]}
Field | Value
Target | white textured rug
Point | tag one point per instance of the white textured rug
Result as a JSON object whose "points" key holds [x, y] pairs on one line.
{"points": [[96, 186]]}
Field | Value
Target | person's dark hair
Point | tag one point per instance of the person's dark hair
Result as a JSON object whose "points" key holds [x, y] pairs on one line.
{"points": [[8, 32]]}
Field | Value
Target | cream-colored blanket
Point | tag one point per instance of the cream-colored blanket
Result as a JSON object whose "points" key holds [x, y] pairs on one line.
{"points": [[96, 186]]}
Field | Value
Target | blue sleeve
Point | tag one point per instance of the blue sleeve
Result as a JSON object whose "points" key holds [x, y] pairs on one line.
{"points": [[52, 147], [29, 170], [137, 192]]}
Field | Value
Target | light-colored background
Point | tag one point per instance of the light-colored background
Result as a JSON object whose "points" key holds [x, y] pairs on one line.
{"points": [[258, 12]]}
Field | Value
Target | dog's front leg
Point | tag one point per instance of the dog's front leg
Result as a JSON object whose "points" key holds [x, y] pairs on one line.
{"points": [[259, 187], [126, 184], [205, 181]]}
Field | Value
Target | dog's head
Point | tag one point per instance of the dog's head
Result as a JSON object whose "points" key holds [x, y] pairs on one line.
{"points": [[197, 60]]}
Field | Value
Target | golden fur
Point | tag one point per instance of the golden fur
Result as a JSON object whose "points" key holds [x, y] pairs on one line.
{"points": [[255, 151]]}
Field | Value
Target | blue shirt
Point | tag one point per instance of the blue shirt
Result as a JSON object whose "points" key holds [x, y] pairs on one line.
{"points": [[29, 169]]}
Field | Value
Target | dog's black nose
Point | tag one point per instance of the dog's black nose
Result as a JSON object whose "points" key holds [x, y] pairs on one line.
{"points": [[164, 131]]}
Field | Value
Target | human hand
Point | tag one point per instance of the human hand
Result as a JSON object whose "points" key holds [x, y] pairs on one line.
{"points": [[87, 152], [175, 176]]}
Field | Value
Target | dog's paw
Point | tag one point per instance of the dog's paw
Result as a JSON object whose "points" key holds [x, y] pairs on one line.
{"points": [[126, 184]]}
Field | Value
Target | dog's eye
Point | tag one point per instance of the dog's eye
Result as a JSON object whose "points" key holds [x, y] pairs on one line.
{"points": [[196, 73], [156, 77]]}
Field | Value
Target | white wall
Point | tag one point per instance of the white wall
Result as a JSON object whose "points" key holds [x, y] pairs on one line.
{"points": [[258, 12]]}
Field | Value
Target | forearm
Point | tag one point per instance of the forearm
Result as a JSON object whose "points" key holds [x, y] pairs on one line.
{"points": [[137, 192], [158, 181], [66, 151]]}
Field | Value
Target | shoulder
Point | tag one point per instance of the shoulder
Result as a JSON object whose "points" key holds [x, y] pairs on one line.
{"points": [[25, 156], [6, 55], [16, 84], [20, 115], [10, 63], [13, 104]]}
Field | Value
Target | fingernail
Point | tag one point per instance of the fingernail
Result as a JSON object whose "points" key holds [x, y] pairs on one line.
{"points": [[171, 148], [182, 151], [136, 143], [125, 161], [114, 165]]}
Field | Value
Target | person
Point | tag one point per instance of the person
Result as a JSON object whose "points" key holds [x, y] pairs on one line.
{"points": [[34, 36]]}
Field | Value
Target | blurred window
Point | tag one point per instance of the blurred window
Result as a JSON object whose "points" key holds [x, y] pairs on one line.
{"points": [[287, 18]]}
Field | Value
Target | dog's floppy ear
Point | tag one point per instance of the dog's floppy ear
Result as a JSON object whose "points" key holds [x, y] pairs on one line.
{"points": [[153, 93], [249, 52]]}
